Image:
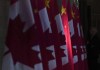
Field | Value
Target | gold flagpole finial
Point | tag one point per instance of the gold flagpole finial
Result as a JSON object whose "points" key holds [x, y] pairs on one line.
{"points": [[47, 3], [63, 10], [73, 14]]}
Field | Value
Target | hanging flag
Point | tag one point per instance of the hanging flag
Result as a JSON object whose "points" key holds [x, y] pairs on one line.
{"points": [[74, 22], [64, 17], [62, 40], [52, 13], [80, 43], [77, 36], [74, 34], [46, 37], [22, 51], [60, 47], [82, 40]]}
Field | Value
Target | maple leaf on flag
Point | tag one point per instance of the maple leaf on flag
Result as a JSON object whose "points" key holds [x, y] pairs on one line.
{"points": [[20, 43], [45, 34], [56, 39], [13, 1], [62, 38]]}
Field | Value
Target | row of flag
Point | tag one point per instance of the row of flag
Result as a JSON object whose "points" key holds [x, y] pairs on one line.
{"points": [[43, 35]]}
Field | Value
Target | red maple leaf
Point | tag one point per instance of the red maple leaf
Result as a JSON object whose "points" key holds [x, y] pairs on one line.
{"points": [[13, 1], [62, 42], [20, 43], [52, 39]]}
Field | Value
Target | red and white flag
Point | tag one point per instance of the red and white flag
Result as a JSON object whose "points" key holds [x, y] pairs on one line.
{"points": [[22, 51], [76, 34], [44, 29], [60, 47], [64, 18], [38, 37]]}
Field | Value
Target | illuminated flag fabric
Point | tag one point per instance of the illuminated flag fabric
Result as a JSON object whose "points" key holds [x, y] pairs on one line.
{"points": [[38, 37], [61, 51], [30, 43], [64, 17]]}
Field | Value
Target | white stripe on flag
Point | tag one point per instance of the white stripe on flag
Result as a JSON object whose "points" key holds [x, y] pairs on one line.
{"points": [[20, 66], [45, 20], [8, 62], [38, 66], [14, 10], [82, 57], [71, 27], [78, 26], [37, 48], [65, 59], [26, 14], [52, 63], [59, 24], [75, 57], [52, 49]]}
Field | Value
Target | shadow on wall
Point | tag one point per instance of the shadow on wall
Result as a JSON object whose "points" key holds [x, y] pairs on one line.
{"points": [[3, 25]]}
